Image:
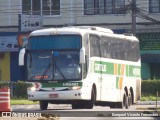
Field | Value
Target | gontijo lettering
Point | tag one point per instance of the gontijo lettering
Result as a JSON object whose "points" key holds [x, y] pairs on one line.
{"points": [[100, 67]]}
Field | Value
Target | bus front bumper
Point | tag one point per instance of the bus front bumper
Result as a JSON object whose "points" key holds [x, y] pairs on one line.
{"points": [[57, 95]]}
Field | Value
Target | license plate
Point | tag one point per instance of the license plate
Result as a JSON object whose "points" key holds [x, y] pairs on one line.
{"points": [[53, 95]]}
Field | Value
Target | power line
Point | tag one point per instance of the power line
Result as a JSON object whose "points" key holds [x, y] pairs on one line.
{"points": [[79, 10]]}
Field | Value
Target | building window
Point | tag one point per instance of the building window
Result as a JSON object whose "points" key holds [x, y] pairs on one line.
{"points": [[92, 7], [46, 7], [41, 7], [36, 7], [154, 6], [119, 6], [26, 7]]}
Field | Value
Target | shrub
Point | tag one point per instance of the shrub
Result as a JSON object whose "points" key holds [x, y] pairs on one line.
{"points": [[20, 89], [150, 87], [4, 84]]}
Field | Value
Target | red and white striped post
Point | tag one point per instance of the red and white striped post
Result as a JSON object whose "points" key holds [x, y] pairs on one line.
{"points": [[5, 99]]}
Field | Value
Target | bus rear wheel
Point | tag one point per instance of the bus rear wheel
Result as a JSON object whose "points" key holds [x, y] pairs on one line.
{"points": [[43, 105], [124, 103], [130, 101]]}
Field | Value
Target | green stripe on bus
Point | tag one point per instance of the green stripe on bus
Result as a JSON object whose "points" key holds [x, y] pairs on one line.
{"points": [[134, 71], [63, 84], [127, 69], [108, 68], [103, 67], [117, 82]]}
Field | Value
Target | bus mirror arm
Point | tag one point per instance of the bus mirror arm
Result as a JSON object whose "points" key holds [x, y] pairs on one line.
{"points": [[82, 55], [21, 56]]}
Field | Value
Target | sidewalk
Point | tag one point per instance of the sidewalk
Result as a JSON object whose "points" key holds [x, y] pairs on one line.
{"points": [[148, 103]]}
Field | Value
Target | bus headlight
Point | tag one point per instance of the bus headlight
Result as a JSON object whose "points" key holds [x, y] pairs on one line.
{"points": [[32, 89], [75, 88]]}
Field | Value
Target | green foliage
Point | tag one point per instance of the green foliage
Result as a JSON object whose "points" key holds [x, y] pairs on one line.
{"points": [[19, 101], [20, 89], [150, 87], [4, 84], [149, 98]]}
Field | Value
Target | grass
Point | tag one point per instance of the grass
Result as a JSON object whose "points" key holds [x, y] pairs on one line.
{"points": [[149, 98], [22, 101], [25, 101]]}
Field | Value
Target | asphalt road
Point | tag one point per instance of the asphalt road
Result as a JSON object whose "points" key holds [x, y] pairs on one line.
{"points": [[140, 111], [140, 106]]}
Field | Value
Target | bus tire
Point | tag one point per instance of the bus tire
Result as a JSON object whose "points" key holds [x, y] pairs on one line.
{"points": [[78, 104], [91, 102], [130, 99], [43, 105], [75, 105], [113, 105], [124, 103]]}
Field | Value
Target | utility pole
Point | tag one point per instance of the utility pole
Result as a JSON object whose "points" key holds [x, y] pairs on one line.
{"points": [[134, 17]]}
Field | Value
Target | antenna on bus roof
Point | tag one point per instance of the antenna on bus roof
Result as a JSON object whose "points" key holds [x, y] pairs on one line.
{"points": [[128, 34], [95, 28]]}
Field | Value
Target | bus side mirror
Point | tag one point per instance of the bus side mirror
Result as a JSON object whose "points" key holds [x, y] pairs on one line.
{"points": [[82, 55], [21, 56]]}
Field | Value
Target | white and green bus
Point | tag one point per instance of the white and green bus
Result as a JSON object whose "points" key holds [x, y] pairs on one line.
{"points": [[82, 66]]}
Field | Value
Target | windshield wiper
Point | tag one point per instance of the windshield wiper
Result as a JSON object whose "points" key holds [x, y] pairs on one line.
{"points": [[60, 72], [46, 70]]}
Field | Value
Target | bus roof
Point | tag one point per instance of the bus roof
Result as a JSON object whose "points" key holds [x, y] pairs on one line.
{"points": [[81, 30]]}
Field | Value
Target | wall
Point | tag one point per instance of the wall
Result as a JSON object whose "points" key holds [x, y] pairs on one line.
{"points": [[5, 67], [145, 71], [72, 12], [16, 72], [9, 51], [9, 10]]}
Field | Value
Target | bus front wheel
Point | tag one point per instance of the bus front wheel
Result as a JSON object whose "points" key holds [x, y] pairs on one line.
{"points": [[43, 105], [77, 105], [91, 102]]}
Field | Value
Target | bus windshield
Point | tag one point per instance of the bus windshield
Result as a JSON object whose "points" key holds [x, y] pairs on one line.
{"points": [[54, 42], [53, 65]]}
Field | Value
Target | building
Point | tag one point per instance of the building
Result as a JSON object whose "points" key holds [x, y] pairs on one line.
{"points": [[27, 15]]}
